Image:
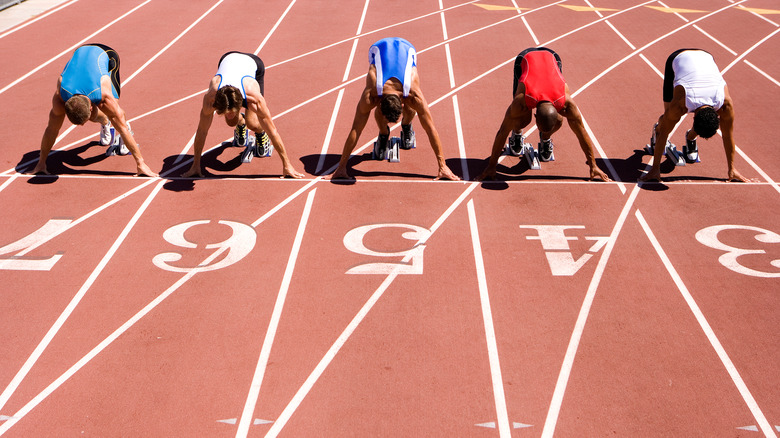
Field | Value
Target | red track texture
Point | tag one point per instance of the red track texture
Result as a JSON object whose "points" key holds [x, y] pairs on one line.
{"points": [[540, 304]]}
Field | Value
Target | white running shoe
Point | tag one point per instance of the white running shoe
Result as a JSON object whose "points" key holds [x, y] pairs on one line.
{"points": [[107, 134]]}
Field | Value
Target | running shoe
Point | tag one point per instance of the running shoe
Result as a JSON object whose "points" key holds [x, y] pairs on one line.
{"points": [[380, 147], [407, 137], [516, 143], [263, 145], [239, 135], [691, 150], [107, 134], [651, 147], [546, 150]]}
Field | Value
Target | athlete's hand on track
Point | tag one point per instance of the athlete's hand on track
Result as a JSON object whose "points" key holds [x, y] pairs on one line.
{"points": [[446, 173], [194, 171], [292, 173], [654, 174], [144, 170], [735, 176], [340, 173], [40, 168], [596, 174], [487, 174]]}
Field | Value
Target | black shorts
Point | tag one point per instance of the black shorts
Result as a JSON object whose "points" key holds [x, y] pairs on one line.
{"points": [[519, 62], [259, 74], [669, 74], [113, 65]]}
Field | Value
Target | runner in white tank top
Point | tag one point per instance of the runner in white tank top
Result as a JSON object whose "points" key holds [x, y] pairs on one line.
{"points": [[693, 83], [239, 84]]}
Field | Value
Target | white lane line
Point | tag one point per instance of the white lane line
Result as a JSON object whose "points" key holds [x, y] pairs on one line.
{"points": [[637, 51], [579, 326], [173, 41], [16, 381], [8, 182], [504, 429], [739, 58], [273, 29], [455, 107], [607, 161], [337, 106], [292, 406], [273, 325], [762, 72], [137, 317], [69, 49], [728, 49], [38, 18], [707, 329]]}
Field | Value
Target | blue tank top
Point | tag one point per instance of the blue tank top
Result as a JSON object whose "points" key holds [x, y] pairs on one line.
{"points": [[393, 58], [83, 72]]}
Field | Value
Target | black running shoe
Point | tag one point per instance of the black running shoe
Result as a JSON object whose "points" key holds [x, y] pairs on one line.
{"points": [[239, 135], [407, 137], [263, 145], [545, 150], [516, 144], [691, 150]]}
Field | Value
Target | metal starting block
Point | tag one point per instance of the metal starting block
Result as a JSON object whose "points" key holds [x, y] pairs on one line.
{"points": [[390, 153], [117, 147], [692, 157], [673, 154], [250, 151], [527, 151]]}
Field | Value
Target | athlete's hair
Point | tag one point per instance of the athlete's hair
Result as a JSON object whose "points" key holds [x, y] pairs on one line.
{"points": [[546, 116], [391, 107], [78, 109], [706, 122], [228, 98]]}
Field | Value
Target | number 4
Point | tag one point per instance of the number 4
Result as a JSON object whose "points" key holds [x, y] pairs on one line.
{"points": [[26, 244]]}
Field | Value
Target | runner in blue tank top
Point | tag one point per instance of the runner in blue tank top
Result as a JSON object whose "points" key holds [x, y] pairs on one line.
{"points": [[392, 84], [88, 90]]}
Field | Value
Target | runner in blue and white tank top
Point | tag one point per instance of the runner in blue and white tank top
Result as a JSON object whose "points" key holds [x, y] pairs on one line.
{"points": [[239, 84], [88, 90], [393, 85], [693, 83]]}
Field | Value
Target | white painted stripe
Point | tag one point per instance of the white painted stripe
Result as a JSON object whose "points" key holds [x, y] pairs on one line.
{"points": [[273, 325], [137, 317], [635, 52], [349, 62], [187, 147], [504, 428], [728, 49], [761, 17], [647, 61], [69, 49], [273, 29], [178, 37], [611, 169], [450, 71], [707, 329], [757, 169], [329, 133], [763, 73], [40, 17], [530, 31], [292, 406], [739, 58], [8, 181], [30, 362], [461, 142], [579, 326]]}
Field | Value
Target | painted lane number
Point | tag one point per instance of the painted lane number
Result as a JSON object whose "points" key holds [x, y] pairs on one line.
{"points": [[238, 245], [412, 262], [20, 262], [709, 237]]}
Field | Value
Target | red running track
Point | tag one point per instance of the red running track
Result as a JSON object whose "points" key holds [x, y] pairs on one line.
{"points": [[540, 304]]}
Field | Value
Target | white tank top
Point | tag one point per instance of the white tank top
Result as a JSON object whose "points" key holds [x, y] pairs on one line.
{"points": [[696, 71], [234, 68]]}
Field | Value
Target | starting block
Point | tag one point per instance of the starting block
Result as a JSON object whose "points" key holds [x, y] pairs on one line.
{"points": [[390, 153], [252, 150], [692, 157], [527, 151], [673, 154], [117, 146]]}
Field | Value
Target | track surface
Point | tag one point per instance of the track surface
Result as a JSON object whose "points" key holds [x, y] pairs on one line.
{"points": [[537, 305]]}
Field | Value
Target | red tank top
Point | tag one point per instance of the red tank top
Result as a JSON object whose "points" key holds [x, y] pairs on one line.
{"points": [[542, 80]]}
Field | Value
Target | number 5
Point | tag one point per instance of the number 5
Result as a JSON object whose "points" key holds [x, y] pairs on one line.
{"points": [[353, 241]]}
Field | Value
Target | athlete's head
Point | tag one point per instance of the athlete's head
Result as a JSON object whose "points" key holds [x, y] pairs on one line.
{"points": [[706, 122], [546, 116], [228, 98], [78, 109], [391, 107]]}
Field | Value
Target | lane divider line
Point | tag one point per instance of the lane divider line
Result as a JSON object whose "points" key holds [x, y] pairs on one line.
{"points": [[273, 325], [303, 391], [504, 429], [38, 18], [766, 427]]}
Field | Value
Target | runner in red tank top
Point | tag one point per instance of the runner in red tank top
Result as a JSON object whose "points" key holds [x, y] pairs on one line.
{"points": [[538, 84]]}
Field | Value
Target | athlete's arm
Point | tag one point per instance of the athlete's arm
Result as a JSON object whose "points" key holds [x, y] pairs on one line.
{"points": [[726, 113], [367, 102], [258, 119], [673, 112], [574, 118], [204, 123], [110, 107], [56, 117], [498, 142], [417, 101]]}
